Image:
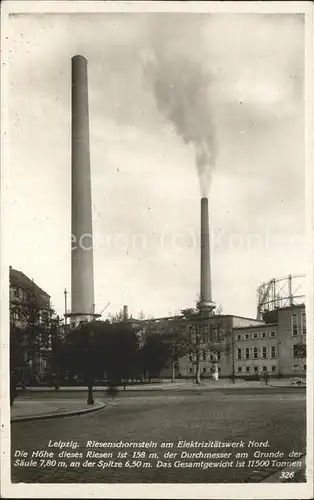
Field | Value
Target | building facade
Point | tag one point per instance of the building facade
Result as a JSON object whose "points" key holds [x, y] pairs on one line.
{"points": [[278, 346], [242, 347], [30, 311], [220, 330]]}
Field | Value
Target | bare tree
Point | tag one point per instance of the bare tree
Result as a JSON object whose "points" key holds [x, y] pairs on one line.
{"points": [[197, 341], [116, 317], [218, 311]]}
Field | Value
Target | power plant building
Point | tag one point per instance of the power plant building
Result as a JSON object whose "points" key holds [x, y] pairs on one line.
{"points": [[248, 347]]}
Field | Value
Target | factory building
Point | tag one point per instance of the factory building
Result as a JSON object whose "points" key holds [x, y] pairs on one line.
{"points": [[218, 327], [276, 347], [248, 347]]}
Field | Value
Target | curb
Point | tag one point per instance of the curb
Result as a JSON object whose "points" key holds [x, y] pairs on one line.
{"points": [[277, 476], [47, 416]]}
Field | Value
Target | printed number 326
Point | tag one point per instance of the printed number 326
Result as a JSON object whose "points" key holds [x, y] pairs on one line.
{"points": [[286, 475]]}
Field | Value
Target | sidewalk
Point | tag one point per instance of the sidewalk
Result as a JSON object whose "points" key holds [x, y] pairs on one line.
{"points": [[40, 409], [177, 386]]}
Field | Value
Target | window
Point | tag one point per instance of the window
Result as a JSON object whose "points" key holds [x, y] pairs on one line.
{"points": [[247, 353], [218, 356], [256, 369], [219, 369], [304, 367], [16, 292], [190, 370], [247, 336], [264, 352], [263, 335], [204, 370], [303, 317], [255, 335], [190, 357], [205, 328], [273, 368], [239, 353], [296, 368], [218, 331], [247, 368], [273, 351], [295, 350], [239, 336], [255, 353], [211, 357], [213, 333], [204, 356], [294, 324], [273, 334], [264, 368], [239, 369]]}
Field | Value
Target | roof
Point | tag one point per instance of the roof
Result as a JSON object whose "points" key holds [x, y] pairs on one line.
{"points": [[197, 317], [20, 280], [263, 326], [291, 307]]}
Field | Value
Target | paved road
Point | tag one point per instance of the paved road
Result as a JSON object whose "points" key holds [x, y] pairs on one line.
{"points": [[268, 415]]}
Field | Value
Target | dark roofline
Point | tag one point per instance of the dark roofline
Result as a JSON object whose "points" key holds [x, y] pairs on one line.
{"points": [[295, 306], [28, 280], [197, 317], [242, 317], [263, 326]]}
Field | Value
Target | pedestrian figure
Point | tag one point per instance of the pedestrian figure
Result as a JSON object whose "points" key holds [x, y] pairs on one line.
{"points": [[266, 378]]}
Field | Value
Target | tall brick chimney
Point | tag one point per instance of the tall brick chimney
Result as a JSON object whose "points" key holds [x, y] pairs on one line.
{"points": [[205, 305]]}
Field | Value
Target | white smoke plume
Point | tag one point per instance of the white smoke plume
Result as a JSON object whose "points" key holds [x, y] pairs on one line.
{"points": [[181, 87]]}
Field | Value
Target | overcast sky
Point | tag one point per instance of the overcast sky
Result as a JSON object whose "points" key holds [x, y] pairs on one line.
{"points": [[248, 71]]}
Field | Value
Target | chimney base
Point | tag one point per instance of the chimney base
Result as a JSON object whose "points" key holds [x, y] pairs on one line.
{"points": [[206, 307]]}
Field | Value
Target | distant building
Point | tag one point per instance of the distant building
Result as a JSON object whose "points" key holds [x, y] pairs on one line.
{"points": [[30, 307], [249, 347], [28, 302], [221, 327]]}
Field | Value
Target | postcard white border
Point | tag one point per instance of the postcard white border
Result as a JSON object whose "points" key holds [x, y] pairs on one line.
{"points": [[219, 491]]}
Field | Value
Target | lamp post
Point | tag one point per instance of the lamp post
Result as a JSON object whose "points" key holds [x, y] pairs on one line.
{"points": [[65, 306]]}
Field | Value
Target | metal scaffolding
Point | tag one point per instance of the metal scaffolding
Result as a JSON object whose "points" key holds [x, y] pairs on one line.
{"points": [[280, 292]]}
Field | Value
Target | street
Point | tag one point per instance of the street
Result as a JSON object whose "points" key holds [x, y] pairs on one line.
{"points": [[269, 414]]}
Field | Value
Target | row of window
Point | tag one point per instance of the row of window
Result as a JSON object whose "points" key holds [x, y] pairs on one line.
{"points": [[255, 335], [263, 352], [206, 328], [18, 293], [298, 326], [205, 357], [257, 352], [248, 369], [207, 370]]}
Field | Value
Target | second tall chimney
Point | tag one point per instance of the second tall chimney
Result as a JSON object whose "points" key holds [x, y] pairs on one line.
{"points": [[205, 305]]}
